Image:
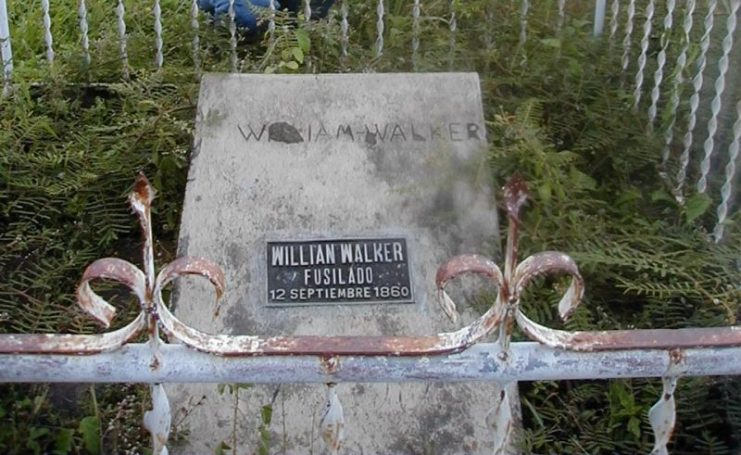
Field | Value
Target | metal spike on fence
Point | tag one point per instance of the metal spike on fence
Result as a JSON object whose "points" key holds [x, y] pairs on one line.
{"points": [[415, 33], [48, 39], [678, 77], [233, 35], [307, 10], [332, 423], [627, 40], [158, 58], [662, 416], [614, 16], [715, 105], [727, 188], [561, 16], [453, 30], [123, 52], [525, 7], [380, 11], [660, 62], [195, 25], [684, 159], [637, 91], [82, 14]]}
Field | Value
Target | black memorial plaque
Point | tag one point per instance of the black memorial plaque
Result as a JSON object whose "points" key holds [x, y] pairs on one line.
{"points": [[338, 271]]}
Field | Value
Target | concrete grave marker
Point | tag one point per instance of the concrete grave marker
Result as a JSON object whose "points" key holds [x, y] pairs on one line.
{"points": [[330, 201]]}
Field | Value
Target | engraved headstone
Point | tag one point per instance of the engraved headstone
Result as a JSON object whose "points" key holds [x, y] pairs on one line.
{"points": [[330, 201]]}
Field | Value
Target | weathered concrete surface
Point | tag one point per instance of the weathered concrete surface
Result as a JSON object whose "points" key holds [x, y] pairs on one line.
{"points": [[335, 156]]}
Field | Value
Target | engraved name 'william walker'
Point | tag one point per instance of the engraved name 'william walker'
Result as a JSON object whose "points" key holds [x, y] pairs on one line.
{"points": [[371, 133], [334, 270]]}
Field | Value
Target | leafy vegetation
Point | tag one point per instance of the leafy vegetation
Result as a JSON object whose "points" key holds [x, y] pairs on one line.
{"points": [[559, 110]]}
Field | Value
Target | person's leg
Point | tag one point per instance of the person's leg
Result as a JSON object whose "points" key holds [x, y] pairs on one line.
{"points": [[246, 12], [320, 8]]}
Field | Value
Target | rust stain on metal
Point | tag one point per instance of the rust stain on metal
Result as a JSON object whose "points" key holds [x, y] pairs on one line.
{"points": [[458, 265], [70, 344], [676, 356], [610, 340], [140, 200], [193, 266], [330, 365], [467, 263], [108, 269], [143, 192], [551, 263], [515, 196]]}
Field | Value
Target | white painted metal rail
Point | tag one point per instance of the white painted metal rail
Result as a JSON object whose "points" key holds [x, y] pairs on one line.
{"points": [[526, 361]]}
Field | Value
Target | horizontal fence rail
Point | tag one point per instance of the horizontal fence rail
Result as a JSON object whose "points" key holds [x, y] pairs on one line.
{"points": [[195, 356], [526, 361]]}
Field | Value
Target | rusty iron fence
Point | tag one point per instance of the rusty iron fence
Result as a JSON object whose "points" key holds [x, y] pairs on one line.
{"points": [[191, 355], [686, 81]]}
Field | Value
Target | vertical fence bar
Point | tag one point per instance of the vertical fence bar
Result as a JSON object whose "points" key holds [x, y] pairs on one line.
{"points": [[82, 14], [344, 29], [650, 8], [233, 35], [660, 62], [415, 34], [6, 51], [307, 10], [727, 188], [489, 35], [614, 16], [627, 40], [715, 105], [525, 7], [271, 21], [561, 16], [48, 38], [380, 11], [599, 17], [453, 29], [678, 77], [697, 81], [196, 27], [158, 58], [123, 52]]}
